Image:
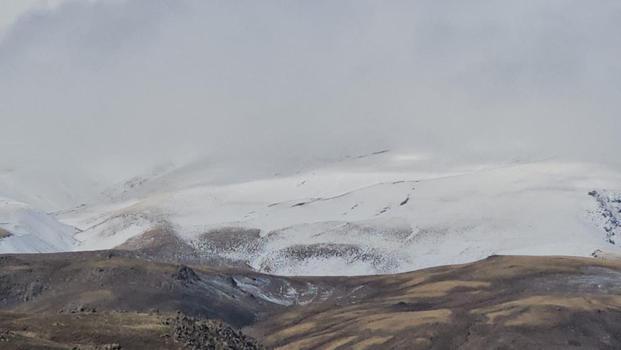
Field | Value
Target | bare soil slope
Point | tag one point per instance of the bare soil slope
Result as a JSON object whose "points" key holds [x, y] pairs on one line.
{"points": [[116, 299]]}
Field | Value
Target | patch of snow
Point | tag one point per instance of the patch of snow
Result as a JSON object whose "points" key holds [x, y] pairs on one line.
{"points": [[31, 230], [608, 213]]}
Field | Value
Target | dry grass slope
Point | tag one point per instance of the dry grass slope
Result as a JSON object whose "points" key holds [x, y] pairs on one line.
{"points": [[95, 300]]}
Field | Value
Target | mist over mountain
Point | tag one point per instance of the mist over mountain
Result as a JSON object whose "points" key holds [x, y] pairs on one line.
{"points": [[95, 92], [352, 174]]}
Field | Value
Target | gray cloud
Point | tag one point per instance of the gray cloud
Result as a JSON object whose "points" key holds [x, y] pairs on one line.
{"points": [[113, 87]]}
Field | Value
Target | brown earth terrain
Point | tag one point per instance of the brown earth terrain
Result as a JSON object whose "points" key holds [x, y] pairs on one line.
{"points": [[121, 300]]}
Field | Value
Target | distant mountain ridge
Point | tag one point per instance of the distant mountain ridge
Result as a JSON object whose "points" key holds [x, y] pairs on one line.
{"points": [[383, 212]]}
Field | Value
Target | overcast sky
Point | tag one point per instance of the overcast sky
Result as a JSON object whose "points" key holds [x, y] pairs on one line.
{"points": [[11, 10], [121, 85]]}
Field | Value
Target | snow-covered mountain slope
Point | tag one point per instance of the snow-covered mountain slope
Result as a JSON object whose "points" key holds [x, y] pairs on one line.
{"points": [[27, 230], [608, 213], [47, 190], [379, 213]]}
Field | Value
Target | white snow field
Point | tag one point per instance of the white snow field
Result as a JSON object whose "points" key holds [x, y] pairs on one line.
{"points": [[27, 230], [380, 213]]}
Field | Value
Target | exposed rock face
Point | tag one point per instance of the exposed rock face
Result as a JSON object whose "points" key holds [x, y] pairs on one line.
{"points": [[4, 233], [208, 334], [609, 212], [185, 274], [33, 290]]}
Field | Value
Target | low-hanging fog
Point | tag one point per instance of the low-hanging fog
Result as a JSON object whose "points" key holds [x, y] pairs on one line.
{"points": [[106, 89]]}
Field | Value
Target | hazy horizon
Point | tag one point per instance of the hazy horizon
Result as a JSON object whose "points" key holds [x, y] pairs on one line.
{"points": [[116, 87]]}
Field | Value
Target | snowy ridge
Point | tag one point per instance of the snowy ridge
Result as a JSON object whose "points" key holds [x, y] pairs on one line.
{"points": [[348, 217], [27, 230], [378, 213]]}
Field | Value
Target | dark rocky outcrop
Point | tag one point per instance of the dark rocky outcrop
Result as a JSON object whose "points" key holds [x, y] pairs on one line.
{"points": [[185, 274], [4, 233], [210, 335]]}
